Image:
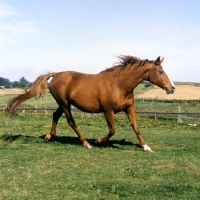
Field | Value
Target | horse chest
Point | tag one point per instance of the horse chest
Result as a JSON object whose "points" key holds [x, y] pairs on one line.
{"points": [[121, 105]]}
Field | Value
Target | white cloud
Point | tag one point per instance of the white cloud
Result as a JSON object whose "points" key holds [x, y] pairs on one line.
{"points": [[13, 28], [6, 10]]}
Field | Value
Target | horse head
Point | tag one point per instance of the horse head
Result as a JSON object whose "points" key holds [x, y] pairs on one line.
{"points": [[157, 76]]}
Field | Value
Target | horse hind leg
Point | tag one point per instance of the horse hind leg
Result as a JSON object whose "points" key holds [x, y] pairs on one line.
{"points": [[71, 122], [56, 115]]}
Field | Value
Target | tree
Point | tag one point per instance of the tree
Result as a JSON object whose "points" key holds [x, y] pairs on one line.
{"points": [[23, 83], [1, 81], [7, 83], [23, 80], [4, 82], [15, 84]]}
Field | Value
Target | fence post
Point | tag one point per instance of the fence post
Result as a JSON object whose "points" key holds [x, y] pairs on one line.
{"points": [[23, 111], [35, 109], [179, 120], [4, 108], [45, 110]]}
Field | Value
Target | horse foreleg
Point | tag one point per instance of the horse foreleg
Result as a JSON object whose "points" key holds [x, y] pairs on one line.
{"points": [[109, 116], [131, 114], [56, 115], [72, 123]]}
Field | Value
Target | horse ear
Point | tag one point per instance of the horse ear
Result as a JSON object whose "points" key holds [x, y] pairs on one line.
{"points": [[159, 61]]}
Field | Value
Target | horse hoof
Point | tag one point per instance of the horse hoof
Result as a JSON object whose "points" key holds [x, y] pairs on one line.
{"points": [[99, 140], [88, 146], [148, 151], [147, 148], [47, 137]]}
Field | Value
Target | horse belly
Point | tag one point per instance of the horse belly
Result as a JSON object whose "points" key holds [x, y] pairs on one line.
{"points": [[86, 102], [87, 106]]}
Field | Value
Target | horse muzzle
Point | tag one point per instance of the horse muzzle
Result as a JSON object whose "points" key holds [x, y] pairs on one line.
{"points": [[170, 90]]}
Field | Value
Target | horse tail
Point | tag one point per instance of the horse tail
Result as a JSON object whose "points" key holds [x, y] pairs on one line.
{"points": [[37, 89]]}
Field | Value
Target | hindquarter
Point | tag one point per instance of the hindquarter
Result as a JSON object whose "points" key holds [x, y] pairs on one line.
{"points": [[78, 89]]}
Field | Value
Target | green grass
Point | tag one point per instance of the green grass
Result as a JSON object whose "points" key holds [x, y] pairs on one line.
{"points": [[47, 101], [64, 169]]}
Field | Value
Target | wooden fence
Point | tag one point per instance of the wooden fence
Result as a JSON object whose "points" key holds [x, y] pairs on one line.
{"points": [[179, 116]]}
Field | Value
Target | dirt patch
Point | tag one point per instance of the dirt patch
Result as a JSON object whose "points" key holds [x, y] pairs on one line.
{"points": [[11, 91], [182, 92]]}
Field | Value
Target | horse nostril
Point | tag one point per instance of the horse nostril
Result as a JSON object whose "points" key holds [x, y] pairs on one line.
{"points": [[170, 90]]}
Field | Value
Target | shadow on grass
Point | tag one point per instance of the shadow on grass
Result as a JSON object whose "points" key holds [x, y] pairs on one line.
{"points": [[9, 138], [66, 140], [75, 141]]}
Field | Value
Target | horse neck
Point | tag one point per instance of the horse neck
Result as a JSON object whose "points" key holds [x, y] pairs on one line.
{"points": [[131, 77]]}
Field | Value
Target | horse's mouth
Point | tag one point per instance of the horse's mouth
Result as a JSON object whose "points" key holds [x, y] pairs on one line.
{"points": [[170, 90]]}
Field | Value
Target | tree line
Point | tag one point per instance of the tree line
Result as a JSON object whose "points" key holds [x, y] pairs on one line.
{"points": [[6, 83]]}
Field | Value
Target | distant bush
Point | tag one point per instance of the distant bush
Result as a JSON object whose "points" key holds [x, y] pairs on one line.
{"points": [[193, 103], [147, 84], [7, 86]]}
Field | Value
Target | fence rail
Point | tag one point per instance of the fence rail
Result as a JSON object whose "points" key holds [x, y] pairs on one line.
{"points": [[77, 110], [153, 114]]}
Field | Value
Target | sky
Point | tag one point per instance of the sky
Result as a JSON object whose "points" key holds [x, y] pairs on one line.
{"points": [[37, 37]]}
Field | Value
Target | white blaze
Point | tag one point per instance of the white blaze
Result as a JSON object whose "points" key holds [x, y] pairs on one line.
{"points": [[172, 83]]}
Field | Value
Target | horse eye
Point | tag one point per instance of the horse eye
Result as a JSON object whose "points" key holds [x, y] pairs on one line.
{"points": [[161, 72]]}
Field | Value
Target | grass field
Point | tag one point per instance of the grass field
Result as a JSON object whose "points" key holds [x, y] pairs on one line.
{"points": [[64, 169], [47, 101]]}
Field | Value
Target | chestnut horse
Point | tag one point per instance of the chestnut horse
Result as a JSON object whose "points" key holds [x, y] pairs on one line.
{"points": [[109, 91]]}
